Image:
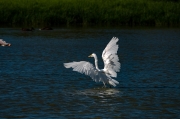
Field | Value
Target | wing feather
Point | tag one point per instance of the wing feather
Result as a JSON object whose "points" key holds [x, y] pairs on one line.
{"points": [[88, 69], [81, 67], [110, 58]]}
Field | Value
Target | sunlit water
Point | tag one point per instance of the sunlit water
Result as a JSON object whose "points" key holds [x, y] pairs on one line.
{"points": [[34, 83]]}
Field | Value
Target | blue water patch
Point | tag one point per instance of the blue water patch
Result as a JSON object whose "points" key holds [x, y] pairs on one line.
{"points": [[35, 84]]}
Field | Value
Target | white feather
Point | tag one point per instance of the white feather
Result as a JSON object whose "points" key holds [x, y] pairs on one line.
{"points": [[111, 65]]}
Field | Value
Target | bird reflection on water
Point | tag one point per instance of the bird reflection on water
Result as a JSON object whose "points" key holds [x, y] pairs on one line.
{"points": [[99, 92]]}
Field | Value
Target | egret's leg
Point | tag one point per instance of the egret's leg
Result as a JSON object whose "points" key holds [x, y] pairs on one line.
{"points": [[104, 85]]}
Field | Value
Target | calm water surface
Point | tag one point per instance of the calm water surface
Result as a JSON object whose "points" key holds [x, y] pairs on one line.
{"points": [[34, 83]]}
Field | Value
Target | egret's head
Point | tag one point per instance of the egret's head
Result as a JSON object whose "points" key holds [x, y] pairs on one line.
{"points": [[92, 55]]}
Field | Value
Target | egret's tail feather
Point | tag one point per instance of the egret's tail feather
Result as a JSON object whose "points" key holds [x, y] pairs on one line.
{"points": [[113, 82], [116, 82]]}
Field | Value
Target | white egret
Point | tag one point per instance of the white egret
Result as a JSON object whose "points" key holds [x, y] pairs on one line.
{"points": [[111, 65], [3, 43]]}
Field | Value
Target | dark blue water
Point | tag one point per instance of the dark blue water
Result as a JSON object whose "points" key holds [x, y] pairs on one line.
{"points": [[34, 83]]}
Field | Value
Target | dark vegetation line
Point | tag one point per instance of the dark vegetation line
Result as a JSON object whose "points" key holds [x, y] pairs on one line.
{"points": [[89, 12]]}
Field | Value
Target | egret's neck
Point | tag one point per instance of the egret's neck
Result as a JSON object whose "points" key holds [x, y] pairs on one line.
{"points": [[96, 62]]}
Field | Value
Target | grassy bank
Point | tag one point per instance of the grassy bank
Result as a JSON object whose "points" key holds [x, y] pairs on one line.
{"points": [[87, 12]]}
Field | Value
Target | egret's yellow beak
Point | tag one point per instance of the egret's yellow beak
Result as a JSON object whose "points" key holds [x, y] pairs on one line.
{"points": [[90, 55]]}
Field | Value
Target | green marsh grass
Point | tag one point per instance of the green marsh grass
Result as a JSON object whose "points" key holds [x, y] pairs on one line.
{"points": [[88, 12]]}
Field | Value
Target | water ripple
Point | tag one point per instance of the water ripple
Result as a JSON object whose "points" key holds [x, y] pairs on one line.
{"points": [[35, 84]]}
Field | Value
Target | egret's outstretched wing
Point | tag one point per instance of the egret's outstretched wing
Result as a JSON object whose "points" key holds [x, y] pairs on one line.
{"points": [[87, 69], [81, 67], [110, 58], [2, 42]]}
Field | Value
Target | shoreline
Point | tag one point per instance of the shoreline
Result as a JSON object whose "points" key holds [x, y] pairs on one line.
{"points": [[90, 12]]}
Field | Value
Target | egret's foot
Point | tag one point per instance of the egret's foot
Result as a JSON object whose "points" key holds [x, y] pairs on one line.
{"points": [[104, 86]]}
